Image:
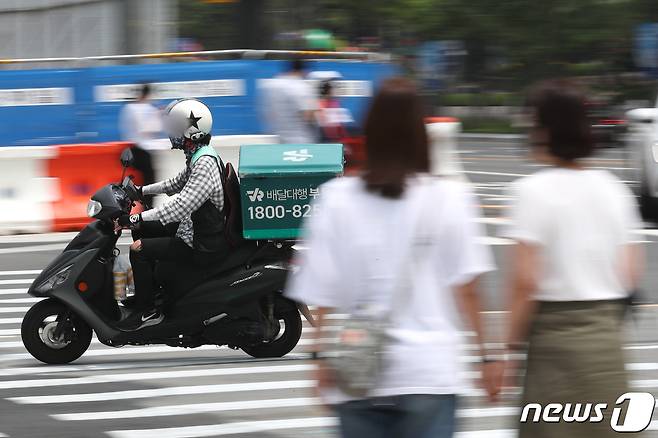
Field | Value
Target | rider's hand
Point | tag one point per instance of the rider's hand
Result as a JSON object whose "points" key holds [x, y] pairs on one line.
{"points": [[129, 220], [140, 192]]}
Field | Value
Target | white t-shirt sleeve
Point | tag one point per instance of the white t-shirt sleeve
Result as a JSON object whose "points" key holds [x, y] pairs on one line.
{"points": [[318, 281], [527, 217], [464, 255]]}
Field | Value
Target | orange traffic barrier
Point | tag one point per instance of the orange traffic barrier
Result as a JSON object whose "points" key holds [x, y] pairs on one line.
{"points": [[437, 119], [81, 170]]}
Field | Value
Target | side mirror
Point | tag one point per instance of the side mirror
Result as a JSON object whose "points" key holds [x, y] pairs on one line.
{"points": [[127, 158]]}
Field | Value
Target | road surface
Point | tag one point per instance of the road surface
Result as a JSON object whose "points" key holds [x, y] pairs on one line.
{"points": [[156, 391]]}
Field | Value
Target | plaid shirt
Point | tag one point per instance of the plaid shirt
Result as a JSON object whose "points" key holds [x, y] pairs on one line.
{"points": [[194, 186]]}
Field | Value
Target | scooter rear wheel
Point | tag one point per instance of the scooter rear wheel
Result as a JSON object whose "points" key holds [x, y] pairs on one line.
{"points": [[290, 331], [38, 333]]}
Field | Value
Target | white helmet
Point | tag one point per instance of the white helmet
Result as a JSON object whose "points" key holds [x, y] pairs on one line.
{"points": [[188, 122]]}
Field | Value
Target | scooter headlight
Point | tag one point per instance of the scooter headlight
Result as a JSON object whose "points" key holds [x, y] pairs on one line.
{"points": [[93, 208], [54, 280]]}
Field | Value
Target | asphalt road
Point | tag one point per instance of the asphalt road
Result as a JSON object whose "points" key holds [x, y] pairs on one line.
{"points": [[156, 391]]}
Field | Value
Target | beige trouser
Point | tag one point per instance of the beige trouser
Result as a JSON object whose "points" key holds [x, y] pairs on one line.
{"points": [[575, 356]]}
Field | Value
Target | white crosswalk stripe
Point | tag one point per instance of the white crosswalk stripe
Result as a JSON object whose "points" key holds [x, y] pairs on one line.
{"points": [[227, 429], [161, 392], [11, 320], [16, 281], [20, 310], [20, 300], [13, 292]]}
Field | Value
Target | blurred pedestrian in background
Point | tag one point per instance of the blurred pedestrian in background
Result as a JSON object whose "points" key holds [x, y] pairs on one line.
{"points": [[332, 118], [140, 123], [289, 105], [397, 226], [572, 267]]}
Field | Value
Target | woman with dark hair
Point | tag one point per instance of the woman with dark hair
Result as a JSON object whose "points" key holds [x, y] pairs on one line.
{"points": [[572, 267], [396, 225]]}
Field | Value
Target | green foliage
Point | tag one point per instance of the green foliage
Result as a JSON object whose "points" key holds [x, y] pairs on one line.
{"points": [[515, 42]]}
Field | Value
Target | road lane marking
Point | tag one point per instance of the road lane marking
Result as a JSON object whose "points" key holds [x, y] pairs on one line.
{"points": [[29, 272], [32, 248], [48, 238], [219, 388], [13, 291], [646, 366], [45, 237], [151, 364], [10, 332], [163, 392], [228, 428], [111, 352], [11, 320], [156, 375], [16, 281], [162, 375], [14, 309], [20, 300], [252, 427], [200, 408], [45, 248], [191, 409]]}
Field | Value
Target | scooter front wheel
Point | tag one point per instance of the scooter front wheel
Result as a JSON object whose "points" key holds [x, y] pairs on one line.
{"points": [[45, 342]]}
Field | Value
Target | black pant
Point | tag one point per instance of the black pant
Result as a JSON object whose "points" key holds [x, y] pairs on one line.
{"points": [[142, 161], [158, 244]]}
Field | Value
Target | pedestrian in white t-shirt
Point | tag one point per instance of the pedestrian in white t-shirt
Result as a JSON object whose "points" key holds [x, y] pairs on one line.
{"points": [[289, 105], [140, 123], [354, 250], [572, 268]]}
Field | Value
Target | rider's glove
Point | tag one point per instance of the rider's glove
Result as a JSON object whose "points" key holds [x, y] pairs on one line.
{"points": [[140, 191], [129, 220]]}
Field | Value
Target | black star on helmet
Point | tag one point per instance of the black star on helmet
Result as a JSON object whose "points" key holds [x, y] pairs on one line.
{"points": [[193, 120]]}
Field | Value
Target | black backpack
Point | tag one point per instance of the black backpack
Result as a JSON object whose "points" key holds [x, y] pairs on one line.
{"points": [[232, 207]]}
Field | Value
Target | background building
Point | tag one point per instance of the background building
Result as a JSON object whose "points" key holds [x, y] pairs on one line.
{"points": [[77, 28]]}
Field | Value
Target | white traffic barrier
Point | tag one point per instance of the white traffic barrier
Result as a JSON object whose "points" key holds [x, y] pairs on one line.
{"points": [[26, 193], [443, 133], [641, 141]]}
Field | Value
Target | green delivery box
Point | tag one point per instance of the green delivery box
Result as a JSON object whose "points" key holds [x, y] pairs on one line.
{"points": [[278, 182]]}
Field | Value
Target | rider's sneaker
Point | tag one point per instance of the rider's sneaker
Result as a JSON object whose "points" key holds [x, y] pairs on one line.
{"points": [[139, 320]]}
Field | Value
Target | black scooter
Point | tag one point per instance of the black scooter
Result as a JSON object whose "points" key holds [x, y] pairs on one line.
{"points": [[239, 302]]}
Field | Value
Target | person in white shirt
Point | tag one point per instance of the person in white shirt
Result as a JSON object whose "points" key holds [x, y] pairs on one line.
{"points": [[572, 268], [140, 123], [354, 246], [289, 106]]}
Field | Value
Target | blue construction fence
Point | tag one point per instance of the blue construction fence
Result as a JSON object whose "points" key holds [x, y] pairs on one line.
{"points": [[82, 105]]}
